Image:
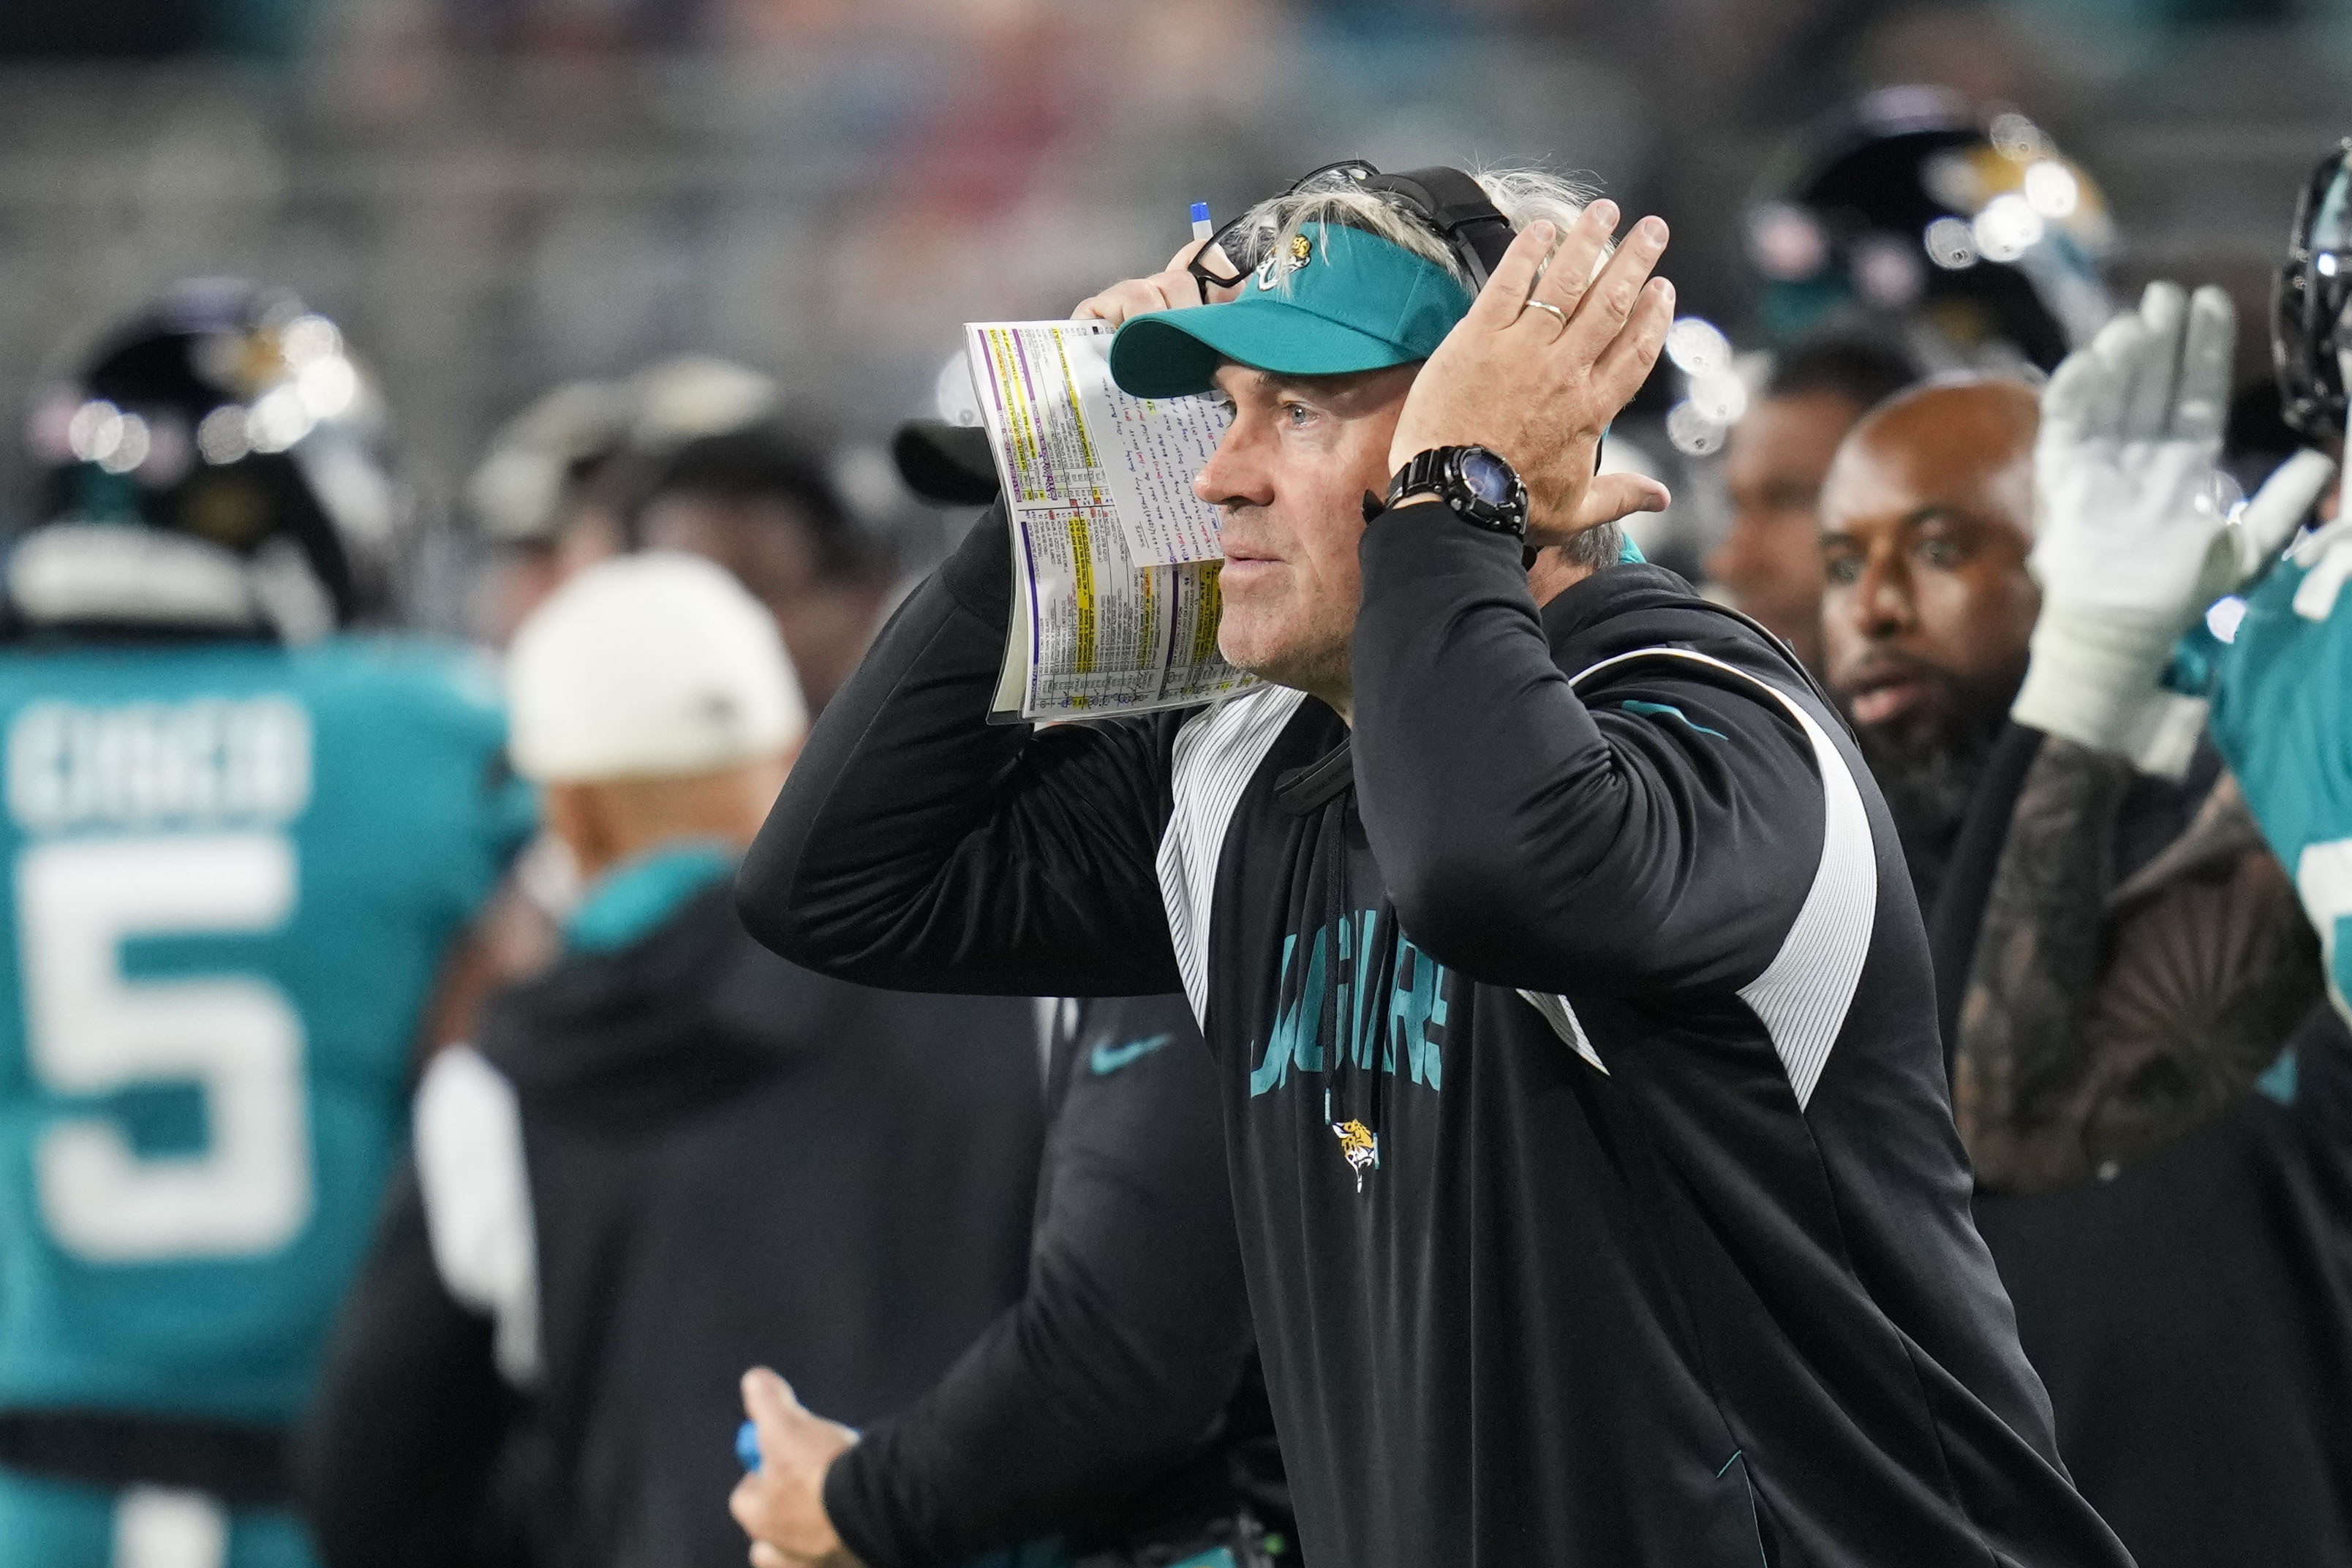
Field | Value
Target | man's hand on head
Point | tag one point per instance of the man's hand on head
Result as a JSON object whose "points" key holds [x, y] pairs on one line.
{"points": [[781, 1505], [1171, 289], [1547, 356]]}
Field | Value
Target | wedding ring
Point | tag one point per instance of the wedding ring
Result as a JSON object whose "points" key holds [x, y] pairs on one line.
{"points": [[1553, 311]]}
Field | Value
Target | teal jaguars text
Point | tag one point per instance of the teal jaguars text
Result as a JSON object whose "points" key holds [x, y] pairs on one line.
{"points": [[1403, 1018]]}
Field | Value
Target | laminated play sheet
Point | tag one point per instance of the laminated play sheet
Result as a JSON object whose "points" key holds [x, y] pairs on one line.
{"points": [[1115, 560]]}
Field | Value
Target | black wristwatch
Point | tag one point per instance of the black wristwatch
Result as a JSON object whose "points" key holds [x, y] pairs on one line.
{"points": [[1482, 489]]}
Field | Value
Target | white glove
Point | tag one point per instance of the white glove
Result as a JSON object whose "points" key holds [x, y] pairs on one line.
{"points": [[2131, 545]]}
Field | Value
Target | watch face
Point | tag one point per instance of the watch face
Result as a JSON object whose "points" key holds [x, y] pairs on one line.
{"points": [[1489, 477]]}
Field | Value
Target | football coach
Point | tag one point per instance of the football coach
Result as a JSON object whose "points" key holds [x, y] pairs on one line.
{"points": [[1595, 1174]]}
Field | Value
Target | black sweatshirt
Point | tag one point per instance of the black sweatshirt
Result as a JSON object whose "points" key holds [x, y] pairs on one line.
{"points": [[1110, 1407], [2193, 1319], [729, 1160], [1596, 1179]]}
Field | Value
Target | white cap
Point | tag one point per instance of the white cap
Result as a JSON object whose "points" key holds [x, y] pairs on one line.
{"points": [[649, 666]]}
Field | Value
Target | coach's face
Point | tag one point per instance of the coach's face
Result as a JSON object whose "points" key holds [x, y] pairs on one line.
{"points": [[1290, 478]]}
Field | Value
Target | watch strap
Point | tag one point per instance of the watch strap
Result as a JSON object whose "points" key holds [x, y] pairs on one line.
{"points": [[1421, 472], [1437, 471], [1424, 472]]}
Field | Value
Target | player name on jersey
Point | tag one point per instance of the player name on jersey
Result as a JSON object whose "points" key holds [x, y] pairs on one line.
{"points": [[71, 766]]}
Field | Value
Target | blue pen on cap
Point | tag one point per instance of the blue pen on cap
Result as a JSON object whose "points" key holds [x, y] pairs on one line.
{"points": [[1202, 227], [747, 1445]]}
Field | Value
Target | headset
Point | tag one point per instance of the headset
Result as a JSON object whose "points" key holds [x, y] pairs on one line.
{"points": [[229, 414], [1452, 204], [1449, 201]]}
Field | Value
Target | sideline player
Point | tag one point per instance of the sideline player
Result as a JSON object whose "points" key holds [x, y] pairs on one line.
{"points": [[2191, 1306], [243, 844]]}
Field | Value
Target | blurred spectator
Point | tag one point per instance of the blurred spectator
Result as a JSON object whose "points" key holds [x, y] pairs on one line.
{"points": [[541, 501], [1926, 519], [673, 1156], [551, 497], [554, 491], [1124, 1379], [764, 506], [2118, 960], [248, 846], [1769, 563]]}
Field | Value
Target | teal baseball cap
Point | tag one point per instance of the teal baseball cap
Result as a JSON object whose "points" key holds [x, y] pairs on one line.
{"points": [[1335, 299]]}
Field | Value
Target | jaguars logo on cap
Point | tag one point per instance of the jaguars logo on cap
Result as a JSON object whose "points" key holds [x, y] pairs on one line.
{"points": [[1283, 263]]}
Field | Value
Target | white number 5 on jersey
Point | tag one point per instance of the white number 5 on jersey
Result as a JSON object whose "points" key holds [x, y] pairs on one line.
{"points": [[92, 1031]]}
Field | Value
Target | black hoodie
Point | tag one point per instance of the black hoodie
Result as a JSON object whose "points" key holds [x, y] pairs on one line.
{"points": [[729, 1160], [1598, 1191], [1123, 1380]]}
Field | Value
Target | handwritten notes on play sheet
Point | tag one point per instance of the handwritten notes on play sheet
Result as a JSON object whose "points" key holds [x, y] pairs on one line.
{"points": [[1115, 560]]}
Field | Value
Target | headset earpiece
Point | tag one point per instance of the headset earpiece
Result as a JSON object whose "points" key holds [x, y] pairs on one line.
{"points": [[1457, 208]]}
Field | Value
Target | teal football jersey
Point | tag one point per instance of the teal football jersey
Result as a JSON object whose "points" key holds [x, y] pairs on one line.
{"points": [[235, 871], [2283, 718]]}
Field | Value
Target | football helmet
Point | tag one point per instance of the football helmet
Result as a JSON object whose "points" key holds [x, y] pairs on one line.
{"points": [[1910, 208], [2308, 303], [215, 466]]}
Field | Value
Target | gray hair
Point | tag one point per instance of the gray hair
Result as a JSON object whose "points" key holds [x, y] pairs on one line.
{"points": [[1522, 196]]}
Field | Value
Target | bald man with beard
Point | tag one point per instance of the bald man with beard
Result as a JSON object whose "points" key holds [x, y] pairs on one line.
{"points": [[1927, 515], [2118, 963]]}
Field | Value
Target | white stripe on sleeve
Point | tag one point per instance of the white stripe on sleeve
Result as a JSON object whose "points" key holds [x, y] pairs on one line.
{"points": [[1802, 995]]}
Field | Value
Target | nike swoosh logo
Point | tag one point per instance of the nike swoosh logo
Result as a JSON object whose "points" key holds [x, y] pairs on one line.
{"points": [[1110, 1059]]}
